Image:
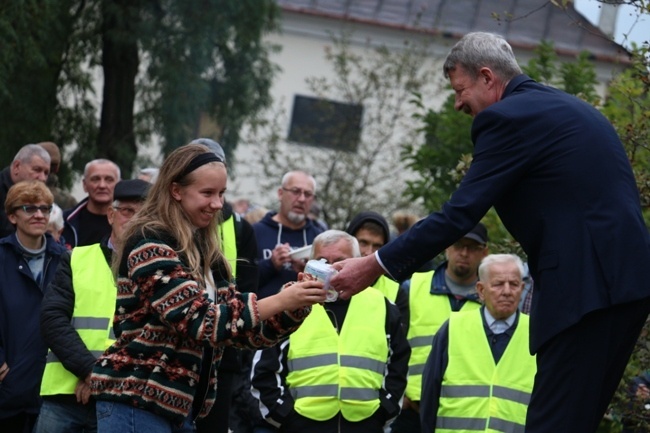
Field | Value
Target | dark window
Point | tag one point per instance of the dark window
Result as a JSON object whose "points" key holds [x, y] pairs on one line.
{"points": [[322, 123]]}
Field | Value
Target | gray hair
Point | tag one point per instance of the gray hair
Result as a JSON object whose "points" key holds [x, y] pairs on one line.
{"points": [[56, 217], [28, 151], [289, 174], [330, 237], [102, 161], [488, 261], [477, 50]]}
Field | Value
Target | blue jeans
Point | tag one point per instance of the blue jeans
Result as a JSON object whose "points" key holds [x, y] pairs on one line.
{"points": [[58, 417], [115, 417]]}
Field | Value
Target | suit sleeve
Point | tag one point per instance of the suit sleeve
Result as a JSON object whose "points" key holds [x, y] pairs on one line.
{"points": [[499, 161], [391, 394], [268, 383], [434, 370], [56, 326]]}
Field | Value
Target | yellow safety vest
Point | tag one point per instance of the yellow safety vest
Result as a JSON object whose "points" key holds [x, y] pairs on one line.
{"points": [[388, 287], [330, 372], [476, 394], [229, 242], [94, 308], [427, 314]]}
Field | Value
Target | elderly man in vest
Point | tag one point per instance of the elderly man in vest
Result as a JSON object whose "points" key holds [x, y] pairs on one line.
{"points": [[77, 318], [479, 375], [345, 369]]}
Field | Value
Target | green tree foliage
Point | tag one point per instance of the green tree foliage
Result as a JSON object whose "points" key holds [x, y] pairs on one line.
{"points": [[382, 82], [446, 137], [162, 64]]}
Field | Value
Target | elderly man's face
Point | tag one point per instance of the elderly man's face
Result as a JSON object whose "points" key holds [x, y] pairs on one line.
{"points": [[35, 169], [502, 290], [100, 182], [472, 95], [335, 252], [119, 215]]}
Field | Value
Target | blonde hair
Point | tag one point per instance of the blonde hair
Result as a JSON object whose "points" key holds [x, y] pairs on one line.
{"points": [[162, 214]]}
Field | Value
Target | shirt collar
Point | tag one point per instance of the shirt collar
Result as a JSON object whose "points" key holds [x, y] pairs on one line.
{"points": [[498, 326]]}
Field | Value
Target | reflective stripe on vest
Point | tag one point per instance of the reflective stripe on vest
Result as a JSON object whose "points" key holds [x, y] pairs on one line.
{"points": [[329, 372], [388, 287], [476, 394], [427, 314], [92, 316], [229, 242]]}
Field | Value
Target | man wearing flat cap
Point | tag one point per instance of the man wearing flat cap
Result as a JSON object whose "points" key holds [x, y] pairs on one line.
{"points": [[432, 297], [77, 320]]}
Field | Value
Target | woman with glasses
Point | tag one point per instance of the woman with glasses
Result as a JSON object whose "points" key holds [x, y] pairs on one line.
{"points": [[177, 305], [29, 258]]}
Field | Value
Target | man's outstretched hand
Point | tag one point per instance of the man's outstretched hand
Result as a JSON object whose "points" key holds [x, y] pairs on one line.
{"points": [[355, 275]]}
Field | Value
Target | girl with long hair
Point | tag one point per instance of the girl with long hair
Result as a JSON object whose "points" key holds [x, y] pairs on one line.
{"points": [[176, 305]]}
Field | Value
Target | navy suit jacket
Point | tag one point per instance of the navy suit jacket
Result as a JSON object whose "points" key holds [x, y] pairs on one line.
{"points": [[557, 174]]}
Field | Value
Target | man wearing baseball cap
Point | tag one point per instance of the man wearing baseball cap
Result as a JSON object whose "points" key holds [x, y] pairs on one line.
{"points": [[77, 320], [432, 297]]}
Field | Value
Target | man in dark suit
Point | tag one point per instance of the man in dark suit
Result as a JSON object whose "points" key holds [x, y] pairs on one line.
{"points": [[555, 170]]}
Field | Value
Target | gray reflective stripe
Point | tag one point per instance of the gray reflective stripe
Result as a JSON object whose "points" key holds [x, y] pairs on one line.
{"points": [[51, 356], [421, 341], [506, 426], [416, 369], [90, 322], [314, 391], [456, 391], [511, 394], [306, 362], [452, 423], [362, 362], [359, 394]]}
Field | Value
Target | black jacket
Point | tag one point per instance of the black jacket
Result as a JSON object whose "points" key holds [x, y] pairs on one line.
{"points": [[6, 228]]}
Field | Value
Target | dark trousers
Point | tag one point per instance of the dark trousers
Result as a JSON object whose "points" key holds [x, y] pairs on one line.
{"points": [[21, 423], [579, 369], [407, 421]]}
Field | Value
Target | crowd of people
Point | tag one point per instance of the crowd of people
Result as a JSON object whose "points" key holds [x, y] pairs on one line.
{"points": [[156, 305]]}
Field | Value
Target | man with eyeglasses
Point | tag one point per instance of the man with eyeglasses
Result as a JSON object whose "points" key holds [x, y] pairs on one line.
{"points": [[29, 259], [77, 320], [32, 162], [432, 297], [278, 233]]}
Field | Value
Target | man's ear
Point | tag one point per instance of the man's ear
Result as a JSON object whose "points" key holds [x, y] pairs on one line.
{"points": [[487, 76], [110, 214], [480, 287]]}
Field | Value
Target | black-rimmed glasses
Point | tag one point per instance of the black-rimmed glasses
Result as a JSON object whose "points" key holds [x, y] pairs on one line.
{"points": [[31, 209]]}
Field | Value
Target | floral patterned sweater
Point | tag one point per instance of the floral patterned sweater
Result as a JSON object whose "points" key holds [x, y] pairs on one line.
{"points": [[163, 322]]}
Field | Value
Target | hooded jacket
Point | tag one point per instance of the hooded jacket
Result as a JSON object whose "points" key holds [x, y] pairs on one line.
{"points": [[269, 233], [362, 217]]}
